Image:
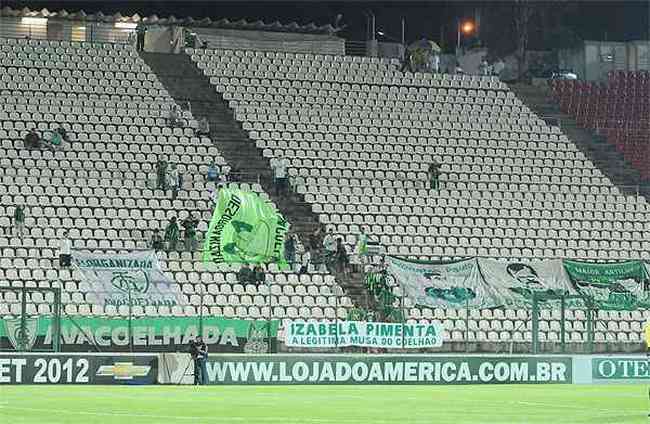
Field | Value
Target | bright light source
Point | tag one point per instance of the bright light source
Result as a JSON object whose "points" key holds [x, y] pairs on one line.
{"points": [[380, 33], [33, 21], [467, 27], [125, 25]]}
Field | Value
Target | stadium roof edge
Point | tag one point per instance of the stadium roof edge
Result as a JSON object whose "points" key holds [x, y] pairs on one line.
{"points": [[223, 23]]}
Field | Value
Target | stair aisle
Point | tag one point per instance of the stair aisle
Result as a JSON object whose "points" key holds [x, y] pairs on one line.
{"points": [[186, 83]]}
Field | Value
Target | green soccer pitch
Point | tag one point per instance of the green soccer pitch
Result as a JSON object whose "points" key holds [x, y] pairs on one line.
{"points": [[495, 404]]}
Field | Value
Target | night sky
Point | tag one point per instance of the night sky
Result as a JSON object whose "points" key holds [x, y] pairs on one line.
{"points": [[616, 21]]}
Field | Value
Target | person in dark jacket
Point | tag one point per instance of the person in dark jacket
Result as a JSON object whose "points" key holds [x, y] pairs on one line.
{"points": [[290, 249], [189, 229], [32, 140], [342, 259], [259, 277], [245, 275], [141, 31], [172, 234], [157, 241], [434, 175], [199, 352]]}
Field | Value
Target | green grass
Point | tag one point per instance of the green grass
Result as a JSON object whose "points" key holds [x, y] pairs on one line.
{"points": [[494, 404]]}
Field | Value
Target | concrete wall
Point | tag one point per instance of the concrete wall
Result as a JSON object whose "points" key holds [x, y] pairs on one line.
{"points": [[271, 41]]}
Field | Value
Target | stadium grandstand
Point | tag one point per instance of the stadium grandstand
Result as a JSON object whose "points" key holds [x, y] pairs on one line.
{"points": [[520, 205]]}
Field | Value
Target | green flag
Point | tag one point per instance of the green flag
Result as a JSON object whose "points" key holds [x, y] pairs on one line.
{"points": [[621, 285], [244, 229]]}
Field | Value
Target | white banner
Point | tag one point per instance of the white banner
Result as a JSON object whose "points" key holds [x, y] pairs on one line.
{"points": [[324, 334], [515, 282], [454, 285], [116, 278]]}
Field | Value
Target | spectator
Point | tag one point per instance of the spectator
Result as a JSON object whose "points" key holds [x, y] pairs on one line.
{"points": [[52, 139], [204, 127], [32, 140], [362, 245], [280, 175], [458, 70], [180, 180], [189, 229], [156, 241], [235, 174], [314, 240], [245, 275], [161, 174], [141, 31], [498, 67], [434, 175], [19, 220], [174, 119], [223, 180], [290, 248], [65, 251], [341, 257], [303, 266], [435, 63], [172, 181], [63, 133], [329, 244], [484, 67], [172, 234], [213, 173], [259, 277]]}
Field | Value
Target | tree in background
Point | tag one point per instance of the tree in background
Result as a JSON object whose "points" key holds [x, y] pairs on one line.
{"points": [[514, 28]]}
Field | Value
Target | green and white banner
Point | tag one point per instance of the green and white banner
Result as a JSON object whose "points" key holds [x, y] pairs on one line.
{"points": [[516, 282], [486, 283], [170, 334], [451, 285], [117, 279], [244, 229], [325, 334], [623, 369], [616, 286]]}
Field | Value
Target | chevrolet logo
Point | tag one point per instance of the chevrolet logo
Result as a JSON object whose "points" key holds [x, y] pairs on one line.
{"points": [[123, 370]]}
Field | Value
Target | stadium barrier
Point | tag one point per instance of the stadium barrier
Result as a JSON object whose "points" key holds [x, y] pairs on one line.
{"points": [[335, 369], [78, 368], [152, 334]]}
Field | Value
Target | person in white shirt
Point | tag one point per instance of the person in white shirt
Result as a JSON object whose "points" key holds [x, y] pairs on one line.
{"points": [[172, 181], [65, 251], [329, 244], [280, 176]]}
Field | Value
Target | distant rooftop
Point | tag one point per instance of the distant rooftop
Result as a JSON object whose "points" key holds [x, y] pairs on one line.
{"points": [[241, 24]]}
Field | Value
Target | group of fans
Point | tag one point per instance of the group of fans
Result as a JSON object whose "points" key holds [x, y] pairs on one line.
{"points": [[172, 235], [51, 139]]}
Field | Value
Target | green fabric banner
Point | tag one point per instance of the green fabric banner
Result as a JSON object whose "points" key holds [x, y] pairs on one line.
{"points": [[166, 334], [486, 283], [443, 285], [245, 229], [616, 286]]}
